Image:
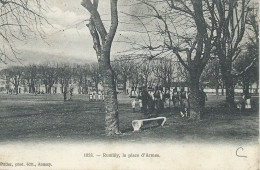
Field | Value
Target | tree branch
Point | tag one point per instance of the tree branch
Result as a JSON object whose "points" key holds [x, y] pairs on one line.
{"points": [[114, 23], [97, 19], [234, 75]]}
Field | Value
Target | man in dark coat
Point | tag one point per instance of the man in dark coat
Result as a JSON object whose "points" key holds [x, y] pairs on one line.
{"points": [[144, 98], [203, 98]]}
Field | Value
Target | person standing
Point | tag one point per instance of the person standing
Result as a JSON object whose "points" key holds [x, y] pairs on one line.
{"points": [[102, 96], [99, 96], [203, 98], [133, 96], [71, 92], [90, 96], [94, 95], [157, 98], [184, 103], [175, 97], [133, 92], [145, 98], [161, 101], [65, 93], [139, 96], [167, 98], [150, 103], [133, 104]]}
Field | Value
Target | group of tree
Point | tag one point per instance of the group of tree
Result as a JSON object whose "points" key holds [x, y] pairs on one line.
{"points": [[160, 71], [197, 31], [193, 31], [34, 76]]}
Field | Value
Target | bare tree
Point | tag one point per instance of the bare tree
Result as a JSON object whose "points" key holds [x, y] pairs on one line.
{"points": [[145, 71], [229, 19], [31, 76], [124, 69], [14, 76], [65, 77], [182, 73], [102, 45], [211, 76], [253, 25], [19, 19], [135, 78], [251, 75], [86, 70], [184, 31], [95, 75], [81, 77], [163, 69], [49, 76]]}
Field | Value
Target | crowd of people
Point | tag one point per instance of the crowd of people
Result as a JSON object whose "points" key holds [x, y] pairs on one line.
{"points": [[156, 100], [153, 101], [96, 96]]}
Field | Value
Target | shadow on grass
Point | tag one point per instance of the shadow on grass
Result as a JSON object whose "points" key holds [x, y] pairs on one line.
{"points": [[20, 116]]}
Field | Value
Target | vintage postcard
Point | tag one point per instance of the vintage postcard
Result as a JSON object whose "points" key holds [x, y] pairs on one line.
{"points": [[129, 84]]}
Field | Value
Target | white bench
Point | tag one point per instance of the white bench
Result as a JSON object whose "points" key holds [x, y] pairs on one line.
{"points": [[138, 123]]}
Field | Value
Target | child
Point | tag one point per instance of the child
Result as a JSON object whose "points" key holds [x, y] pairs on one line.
{"points": [[133, 104]]}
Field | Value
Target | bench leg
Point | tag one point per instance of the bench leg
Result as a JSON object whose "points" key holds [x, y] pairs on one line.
{"points": [[161, 121], [136, 125], [164, 120]]}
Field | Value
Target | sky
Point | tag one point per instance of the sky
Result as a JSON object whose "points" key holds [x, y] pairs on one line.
{"points": [[67, 39]]}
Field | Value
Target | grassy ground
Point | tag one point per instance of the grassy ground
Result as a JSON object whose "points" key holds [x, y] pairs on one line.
{"points": [[47, 118]]}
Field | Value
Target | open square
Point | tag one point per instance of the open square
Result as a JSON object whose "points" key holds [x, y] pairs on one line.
{"points": [[48, 118]]}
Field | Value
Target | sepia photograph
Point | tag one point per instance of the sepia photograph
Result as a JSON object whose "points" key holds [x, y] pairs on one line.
{"points": [[129, 84]]}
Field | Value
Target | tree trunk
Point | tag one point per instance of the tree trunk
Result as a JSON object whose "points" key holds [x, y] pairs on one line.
{"points": [[222, 89], [33, 88], [30, 88], [194, 98], [229, 83], [169, 83], [29, 85], [96, 86], [65, 93], [230, 93], [49, 89], [16, 89], [86, 90], [111, 104], [124, 84], [98, 31], [62, 89], [46, 88], [257, 85], [246, 86], [217, 88]]}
